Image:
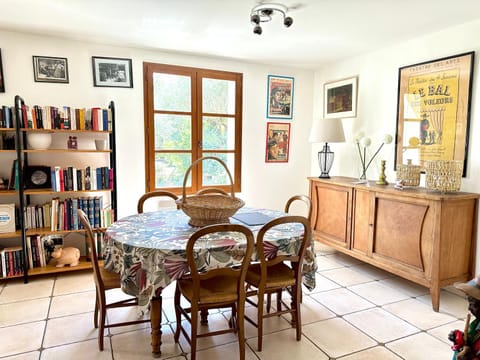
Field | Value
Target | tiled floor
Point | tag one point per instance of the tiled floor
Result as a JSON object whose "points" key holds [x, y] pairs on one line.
{"points": [[356, 312]]}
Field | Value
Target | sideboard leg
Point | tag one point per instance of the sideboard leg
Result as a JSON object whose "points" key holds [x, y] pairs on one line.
{"points": [[435, 295]]}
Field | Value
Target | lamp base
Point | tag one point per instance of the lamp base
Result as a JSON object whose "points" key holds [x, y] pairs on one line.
{"points": [[325, 161]]}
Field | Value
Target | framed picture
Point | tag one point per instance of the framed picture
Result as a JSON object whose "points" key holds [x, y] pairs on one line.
{"points": [[50, 69], [433, 110], [280, 97], [340, 98], [112, 72], [278, 141], [2, 79], [37, 177]]}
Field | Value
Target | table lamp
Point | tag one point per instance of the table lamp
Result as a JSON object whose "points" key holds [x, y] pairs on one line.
{"points": [[326, 130]]}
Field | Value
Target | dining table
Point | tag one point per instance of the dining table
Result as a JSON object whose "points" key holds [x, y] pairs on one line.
{"points": [[148, 250]]}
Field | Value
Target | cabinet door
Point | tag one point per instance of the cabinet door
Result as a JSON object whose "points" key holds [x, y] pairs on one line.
{"points": [[331, 218], [362, 221], [403, 233]]}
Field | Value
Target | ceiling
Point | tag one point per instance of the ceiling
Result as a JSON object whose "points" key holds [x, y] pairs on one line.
{"points": [[323, 31]]}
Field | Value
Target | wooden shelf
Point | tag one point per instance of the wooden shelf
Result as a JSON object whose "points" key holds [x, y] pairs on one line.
{"points": [[64, 131], [46, 231], [50, 192], [13, 151], [17, 233], [8, 192], [64, 150], [52, 269]]}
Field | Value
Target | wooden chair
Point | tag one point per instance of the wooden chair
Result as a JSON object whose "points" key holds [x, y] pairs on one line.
{"points": [[104, 280], [157, 193], [274, 274], [306, 199], [213, 289]]}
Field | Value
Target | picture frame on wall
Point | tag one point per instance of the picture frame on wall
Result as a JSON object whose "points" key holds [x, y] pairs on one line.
{"points": [[50, 69], [2, 79], [278, 142], [433, 110], [340, 98], [112, 72], [280, 97]]}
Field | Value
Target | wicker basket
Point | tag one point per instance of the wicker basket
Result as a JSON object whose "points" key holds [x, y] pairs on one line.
{"points": [[443, 175], [409, 174], [209, 209]]}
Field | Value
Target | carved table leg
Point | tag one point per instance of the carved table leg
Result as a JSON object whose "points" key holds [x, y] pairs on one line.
{"points": [[155, 321]]}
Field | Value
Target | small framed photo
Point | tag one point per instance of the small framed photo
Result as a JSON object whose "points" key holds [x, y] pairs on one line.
{"points": [[278, 141], [112, 72], [340, 98], [50, 69], [2, 80], [280, 97]]}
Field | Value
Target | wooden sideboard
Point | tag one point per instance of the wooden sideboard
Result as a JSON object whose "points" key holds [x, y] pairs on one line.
{"points": [[423, 236]]}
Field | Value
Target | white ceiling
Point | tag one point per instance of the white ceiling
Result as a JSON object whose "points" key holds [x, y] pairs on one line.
{"points": [[323, 30]]}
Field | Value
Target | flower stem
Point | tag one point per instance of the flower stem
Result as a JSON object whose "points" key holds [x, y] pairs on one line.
{"points": [[371, 159]]}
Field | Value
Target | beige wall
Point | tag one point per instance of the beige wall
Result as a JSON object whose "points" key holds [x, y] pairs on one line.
{"points": [[377, 99], [266, 185]]}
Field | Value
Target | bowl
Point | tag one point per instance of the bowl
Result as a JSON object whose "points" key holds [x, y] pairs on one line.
{"points": [[100, 144], [39, 141]]}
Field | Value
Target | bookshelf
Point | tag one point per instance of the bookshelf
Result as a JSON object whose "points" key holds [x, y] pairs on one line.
{"points": [[53, 182]]}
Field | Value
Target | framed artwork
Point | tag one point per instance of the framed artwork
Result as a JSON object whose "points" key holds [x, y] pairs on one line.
{"points": [[340, 98], [278, 141], [112, 72], [280, 97], [433, 110], [50, 69], [2, 79]]}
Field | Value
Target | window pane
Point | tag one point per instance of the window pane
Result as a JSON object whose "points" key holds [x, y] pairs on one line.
{"points": [[171, 92], [172, 132], [170, 169], [218, 133], [218, 96], [214, 173]]}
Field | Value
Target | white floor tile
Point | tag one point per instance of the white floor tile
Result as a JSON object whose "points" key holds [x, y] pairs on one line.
{"points": [[346, 276], [24, 311], [336, 337], [19, 291], [410, 288], [78, 351], [342, 301], [378, 293], [376, 353], [70, 329], [69, 283], [381, 325], [21, 338], [420, 347], [71, 304]]}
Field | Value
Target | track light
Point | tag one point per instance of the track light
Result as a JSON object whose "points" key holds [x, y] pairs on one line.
{"points": [[264, 12], [257, 30], [288, 21]]}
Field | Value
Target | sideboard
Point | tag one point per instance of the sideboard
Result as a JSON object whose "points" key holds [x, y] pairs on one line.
{"points": [[423, 236]]}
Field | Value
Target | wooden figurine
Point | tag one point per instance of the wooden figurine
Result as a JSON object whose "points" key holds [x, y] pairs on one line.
{"points": [[66, 256], [466, 344]]}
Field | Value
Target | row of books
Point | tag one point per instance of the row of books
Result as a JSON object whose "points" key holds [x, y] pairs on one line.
{"points": [[39, 253], [61, 215], [52, 117], [73, 179], [11, 261]]}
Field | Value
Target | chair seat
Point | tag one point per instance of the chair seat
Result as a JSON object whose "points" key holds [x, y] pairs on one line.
{"points": [[217, 290], [279, 275], [111, 280]]}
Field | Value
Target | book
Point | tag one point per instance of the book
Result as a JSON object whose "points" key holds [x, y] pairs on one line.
{"points": [[7, 218]]}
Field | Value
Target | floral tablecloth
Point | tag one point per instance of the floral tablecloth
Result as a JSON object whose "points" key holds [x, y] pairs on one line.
{"points": [[148, 249]]}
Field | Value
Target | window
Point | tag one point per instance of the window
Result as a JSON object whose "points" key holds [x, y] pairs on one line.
{"points": [[191, 113]]}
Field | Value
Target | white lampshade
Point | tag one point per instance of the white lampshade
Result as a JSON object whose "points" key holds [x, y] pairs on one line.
{"points": [[326, 130]]}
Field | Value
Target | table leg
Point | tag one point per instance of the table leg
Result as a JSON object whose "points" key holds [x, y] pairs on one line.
{"points": [[155, 321], [204, 317]]}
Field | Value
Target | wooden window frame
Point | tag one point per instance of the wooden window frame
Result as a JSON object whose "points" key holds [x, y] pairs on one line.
{"points": [[196, 74]]}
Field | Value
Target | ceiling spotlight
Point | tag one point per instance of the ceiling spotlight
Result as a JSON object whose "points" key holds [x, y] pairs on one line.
{"points": [[288, 21], [264, 12], [255, 19]]}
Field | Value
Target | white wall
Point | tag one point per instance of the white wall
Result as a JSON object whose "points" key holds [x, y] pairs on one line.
{"points": [[377, 100], [263, 185]]}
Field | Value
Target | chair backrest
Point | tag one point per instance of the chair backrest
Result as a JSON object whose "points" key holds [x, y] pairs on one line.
{"points": [[93, 251], [305, 199], [243, 256], [157, 193], [211, 191], [268, 255]]}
